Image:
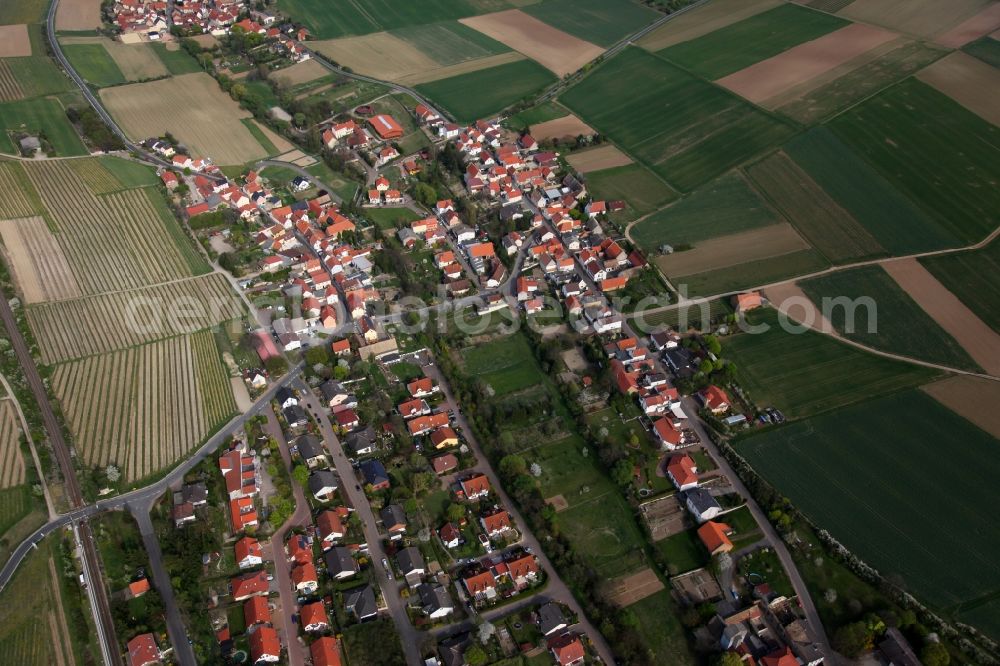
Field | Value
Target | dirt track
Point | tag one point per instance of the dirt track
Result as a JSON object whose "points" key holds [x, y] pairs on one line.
{"points": [[774, 76], [553, 49], [979, 340], [969, 81]]}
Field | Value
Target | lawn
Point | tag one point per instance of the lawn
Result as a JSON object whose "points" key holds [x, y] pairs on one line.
{"points": [[178, 61], [941, 155], [657, 623], [762, 271], [536, 114], [604, 533], [971, 276], [896, 223], [683, 551], [341, 185], [745, 528], [764, 566], [896, 323], [601, 22], [681, 319], [808, 373], [390, 218], [684, 128], [567, 472], [44, 114], [506, 364], [725, 206], [486, 92], [902, 482], [751, 40], [278, 176], [640, 188], [94, 63], [130, 174]]}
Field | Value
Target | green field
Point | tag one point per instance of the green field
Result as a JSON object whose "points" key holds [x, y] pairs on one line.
{"points": [[177, 62], [479, 94], [725, 206], [944, 157], [22, 11], [971, 276], [390, 218], [828, 99], [984, 615], [808, 373], [259, 135], [341, 185], [986, 49], [897, 324], [506, 364], [656, 622], [38, 75], [751, 40], [327, 19], [685, 129], [643, 190], [94, 63], [130, 174], [601, 22], [754, 273], [15, 504], [896, 223], [535, 115], [43, 114], [902, 482], [450, 42]]}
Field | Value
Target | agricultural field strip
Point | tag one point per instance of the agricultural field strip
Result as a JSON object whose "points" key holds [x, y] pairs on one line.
{"points": [[15, 199], [100, 324], [36, 261], [143, 408], [113, 242], [10, 89], [11, 461]]}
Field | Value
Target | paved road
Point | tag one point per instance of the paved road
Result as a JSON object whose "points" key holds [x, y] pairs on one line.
{"points": [[275, 550], [183, 651], [409, 636], [556, 588]]}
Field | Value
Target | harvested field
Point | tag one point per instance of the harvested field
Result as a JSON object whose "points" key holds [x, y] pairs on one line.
{"points": [[627, 590], [554, 49], [144, 408], [770, 78], [828, 227], [980, 341], [664, 517], [792, 302], [380, 55], [969, 81], [696, 587], [268, 136], [36, 259], [770, 241], [192, 108], [206, 41], [922, 18], [108, 322], [855, 80], [150, 247], [973, 398], [557, 502], [570, 126], [14, 41], [78, 15], [299, 73], [972, 28], [701, 21], [11, 460], [10, 88], [450, 42], [607, 156]]}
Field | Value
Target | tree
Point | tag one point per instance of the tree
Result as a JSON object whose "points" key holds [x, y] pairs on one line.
{"points": [[513, 465], [935, 654], [476, 656], [318, 355], [727, 659], [621, 473], [852, 640], [455, 512], [301, 475]]}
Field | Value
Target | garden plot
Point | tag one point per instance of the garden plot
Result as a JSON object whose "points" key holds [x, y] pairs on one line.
{"points": [[664, 517], [627, 590]]}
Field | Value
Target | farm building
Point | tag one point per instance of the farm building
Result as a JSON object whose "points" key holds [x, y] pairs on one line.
{"points": [[386, 127]]}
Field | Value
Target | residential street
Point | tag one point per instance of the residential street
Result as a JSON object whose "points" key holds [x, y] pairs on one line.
{"points": [[274, 550], [556, 589], [355, 497]]}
